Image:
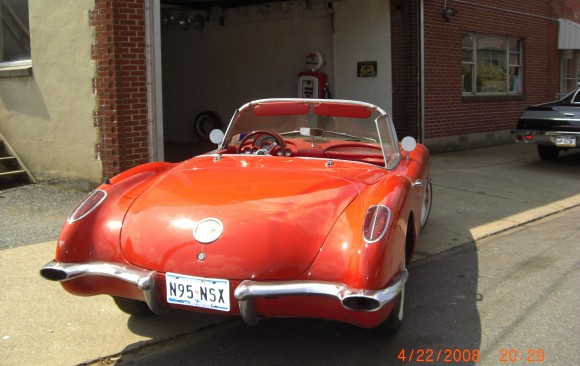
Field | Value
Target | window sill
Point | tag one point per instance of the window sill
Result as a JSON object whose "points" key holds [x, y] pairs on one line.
{"points": [[492, 98], [8, 70]]}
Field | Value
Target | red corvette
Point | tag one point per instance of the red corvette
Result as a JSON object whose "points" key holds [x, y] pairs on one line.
{"points": [[307, 208]]}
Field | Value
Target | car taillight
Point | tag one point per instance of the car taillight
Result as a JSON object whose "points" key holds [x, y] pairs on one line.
{"points": [[87, 205], [376, 223]]}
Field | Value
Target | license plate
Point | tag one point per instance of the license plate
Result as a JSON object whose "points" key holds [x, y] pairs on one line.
{"points": [[210, 293], [566, 141]]}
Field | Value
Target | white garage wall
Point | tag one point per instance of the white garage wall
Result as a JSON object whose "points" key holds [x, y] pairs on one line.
{"points": [[257, 53], [363, 33]]}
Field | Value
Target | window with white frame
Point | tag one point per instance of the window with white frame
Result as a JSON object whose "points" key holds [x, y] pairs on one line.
{"points": [[492, 65], [14, 33]]}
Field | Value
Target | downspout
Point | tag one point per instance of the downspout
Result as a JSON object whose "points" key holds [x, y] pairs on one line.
{"points": [[154, 81], [421, 71]]}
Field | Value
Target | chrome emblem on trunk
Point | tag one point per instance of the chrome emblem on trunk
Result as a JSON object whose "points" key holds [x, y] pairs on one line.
{"points": [[208, 230]]}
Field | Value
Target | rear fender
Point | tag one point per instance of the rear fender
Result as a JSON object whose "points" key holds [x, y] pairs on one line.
{"points": [[96, 236], [346, 258]]}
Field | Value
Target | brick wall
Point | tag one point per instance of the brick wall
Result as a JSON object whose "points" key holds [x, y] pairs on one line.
{"points": [[447, 112], [120, 84], [570, 10], [405, 66]]}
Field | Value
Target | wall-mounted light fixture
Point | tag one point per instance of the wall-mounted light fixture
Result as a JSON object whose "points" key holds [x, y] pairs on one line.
{"points": [[448, 13]]}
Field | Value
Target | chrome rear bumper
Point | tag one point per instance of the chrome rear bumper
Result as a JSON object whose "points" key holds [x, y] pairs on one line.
{"points": [[350, 298], [541, 137], [246, 293], [146, 281]]}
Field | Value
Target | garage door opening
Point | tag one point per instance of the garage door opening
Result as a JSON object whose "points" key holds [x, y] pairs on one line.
{"points": [[219, 55]]}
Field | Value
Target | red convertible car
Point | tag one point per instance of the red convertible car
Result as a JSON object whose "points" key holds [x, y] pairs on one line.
{"points": [[307, 208]]}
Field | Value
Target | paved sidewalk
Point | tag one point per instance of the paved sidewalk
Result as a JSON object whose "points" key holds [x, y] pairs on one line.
{"points": [[477, 193], [482, 192]]}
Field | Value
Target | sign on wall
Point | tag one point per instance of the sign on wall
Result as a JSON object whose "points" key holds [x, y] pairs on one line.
{"points": [[366, 69]]}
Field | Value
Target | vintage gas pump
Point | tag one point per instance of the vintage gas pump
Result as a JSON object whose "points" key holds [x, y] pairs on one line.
{"points": [[313, 83]]}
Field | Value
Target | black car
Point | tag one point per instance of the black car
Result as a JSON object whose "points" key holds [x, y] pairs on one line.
{"points": [[552, 126]]}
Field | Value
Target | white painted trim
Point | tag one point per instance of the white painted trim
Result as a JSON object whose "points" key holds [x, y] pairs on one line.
{"points": [[154, 80]]}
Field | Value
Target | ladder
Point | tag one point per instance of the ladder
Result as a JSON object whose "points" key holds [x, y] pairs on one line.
{"points": [[11, 167]]}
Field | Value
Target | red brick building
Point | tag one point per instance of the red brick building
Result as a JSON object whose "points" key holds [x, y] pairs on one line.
{"points": [[458, 35], [462, 71]]}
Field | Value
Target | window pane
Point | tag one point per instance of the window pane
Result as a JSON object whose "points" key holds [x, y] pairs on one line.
{"points": [[515, 80], [491, 64], [467, 78], [514, 58], [514, 45], [515, 51], [14, 31]]}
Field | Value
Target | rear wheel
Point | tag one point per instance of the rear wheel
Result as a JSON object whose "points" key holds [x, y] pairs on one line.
{"points": [[426, 206], [205, 122], [395, 320], [548, 152], [133, 307]]}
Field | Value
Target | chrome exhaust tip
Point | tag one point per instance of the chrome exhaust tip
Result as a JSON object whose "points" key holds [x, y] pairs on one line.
{"points": [[54, 274], [361, 303], [144, 280], [368, 300]]}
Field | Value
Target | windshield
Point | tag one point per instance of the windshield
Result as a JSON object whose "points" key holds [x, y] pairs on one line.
{"points": [[329, 125]]}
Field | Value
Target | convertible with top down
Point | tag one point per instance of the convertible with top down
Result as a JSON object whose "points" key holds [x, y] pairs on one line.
{"points": [[307, 208]]}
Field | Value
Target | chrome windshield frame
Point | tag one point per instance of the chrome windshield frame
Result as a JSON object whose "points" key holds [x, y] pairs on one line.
{"points": [[381, 114]]}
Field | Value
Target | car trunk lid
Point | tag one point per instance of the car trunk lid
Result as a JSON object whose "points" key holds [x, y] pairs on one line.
{"points": [[275, 218]]}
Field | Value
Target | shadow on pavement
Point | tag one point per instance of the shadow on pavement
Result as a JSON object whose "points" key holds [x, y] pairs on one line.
{"points": [[442, 324], [440, 315], [472, 189]]}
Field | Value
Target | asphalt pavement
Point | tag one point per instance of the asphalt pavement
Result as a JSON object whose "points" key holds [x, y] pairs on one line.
{"points": [[476, 194], [507, 299]]}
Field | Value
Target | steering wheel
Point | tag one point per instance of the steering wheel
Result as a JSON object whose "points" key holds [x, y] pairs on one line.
{"points": [[278, 140]]}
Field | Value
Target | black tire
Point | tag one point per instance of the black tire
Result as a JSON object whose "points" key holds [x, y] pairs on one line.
{"points": [[205, 122], [395, 320], [426, 206], [548, 152], [132, 307]]}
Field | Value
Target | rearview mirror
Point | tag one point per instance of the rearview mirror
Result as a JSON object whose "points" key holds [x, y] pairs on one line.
{"points": [[305, 131], [312, 132]]}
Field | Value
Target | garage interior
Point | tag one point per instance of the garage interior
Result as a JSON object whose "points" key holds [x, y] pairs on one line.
{"points": [[218, 55]]}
